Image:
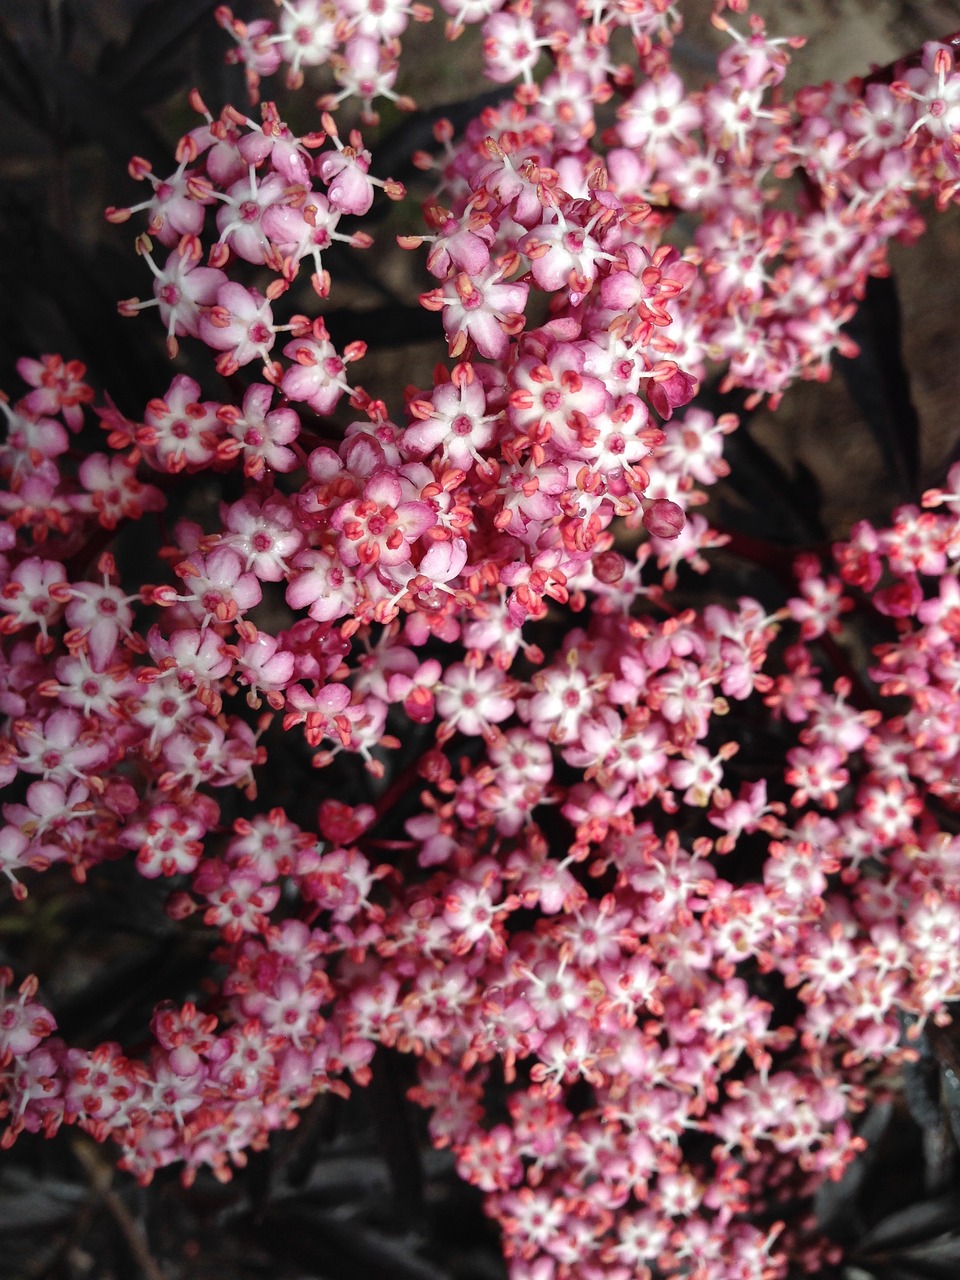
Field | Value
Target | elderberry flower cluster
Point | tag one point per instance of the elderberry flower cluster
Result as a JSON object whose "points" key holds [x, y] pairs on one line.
{"points": [[649, 980]]}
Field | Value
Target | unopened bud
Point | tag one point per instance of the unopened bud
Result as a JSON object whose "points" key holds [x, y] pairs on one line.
{"points": [[663, 518], [609, 567]]}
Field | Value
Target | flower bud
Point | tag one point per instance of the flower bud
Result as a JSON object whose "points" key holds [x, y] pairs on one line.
{"points": [[663, 518]]}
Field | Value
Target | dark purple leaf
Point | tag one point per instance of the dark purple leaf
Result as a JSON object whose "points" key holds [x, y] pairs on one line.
{"points": [[27, 1202], [915, 1225], [776, 505], [59, 25], [21, 84], [879, 382], [391, 157], [53, 296], [101, 114], [398, 1139], [379, 327], [156, 37]]}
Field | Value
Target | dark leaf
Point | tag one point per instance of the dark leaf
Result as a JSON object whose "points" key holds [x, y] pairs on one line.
{"points": [[879, 382], [391, 157], [140, 65], [110, 1006], [951, 1100], [944, 1044], [343, 1179], [59, 25], [158, 86], [921, 1088], [398, 1139], [938, 1261], [55, 297], [782, 508], [390, 326], [774, 505], [807, 486], [914, 1225], [342, 1249], [101, 114], [27, 1202], [20, 84], [837, 1203]]}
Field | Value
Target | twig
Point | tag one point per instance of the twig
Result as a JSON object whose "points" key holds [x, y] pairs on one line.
{"points": [[100, 1176]]}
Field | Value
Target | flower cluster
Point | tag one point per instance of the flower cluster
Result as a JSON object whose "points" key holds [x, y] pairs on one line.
{"points": [[650, 886]]}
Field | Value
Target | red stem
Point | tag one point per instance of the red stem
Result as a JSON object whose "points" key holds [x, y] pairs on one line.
{"points": [[399, 788]]}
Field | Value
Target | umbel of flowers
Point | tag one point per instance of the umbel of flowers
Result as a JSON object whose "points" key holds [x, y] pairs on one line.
{"points": [[647, 992]]}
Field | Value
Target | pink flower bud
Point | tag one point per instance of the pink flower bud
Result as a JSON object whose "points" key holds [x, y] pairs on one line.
{"points": [[609, 566], [663, 518]]}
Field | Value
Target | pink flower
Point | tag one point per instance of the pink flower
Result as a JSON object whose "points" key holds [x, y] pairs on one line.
{"points": [[168, 841], [659, 110], [483, 310], [452, 421], [323, 586], [667, 392], [242, 207], [24, 1022], [60, 748], [265, 666], [34, 595], [182, 290], [115, 492], [196, 656], [264, 535], [349, 188], [219, 584], [317, 376], [259, 434], [58, 388], [380, 527], [179, 431], [472, 701], [240, 325]]}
